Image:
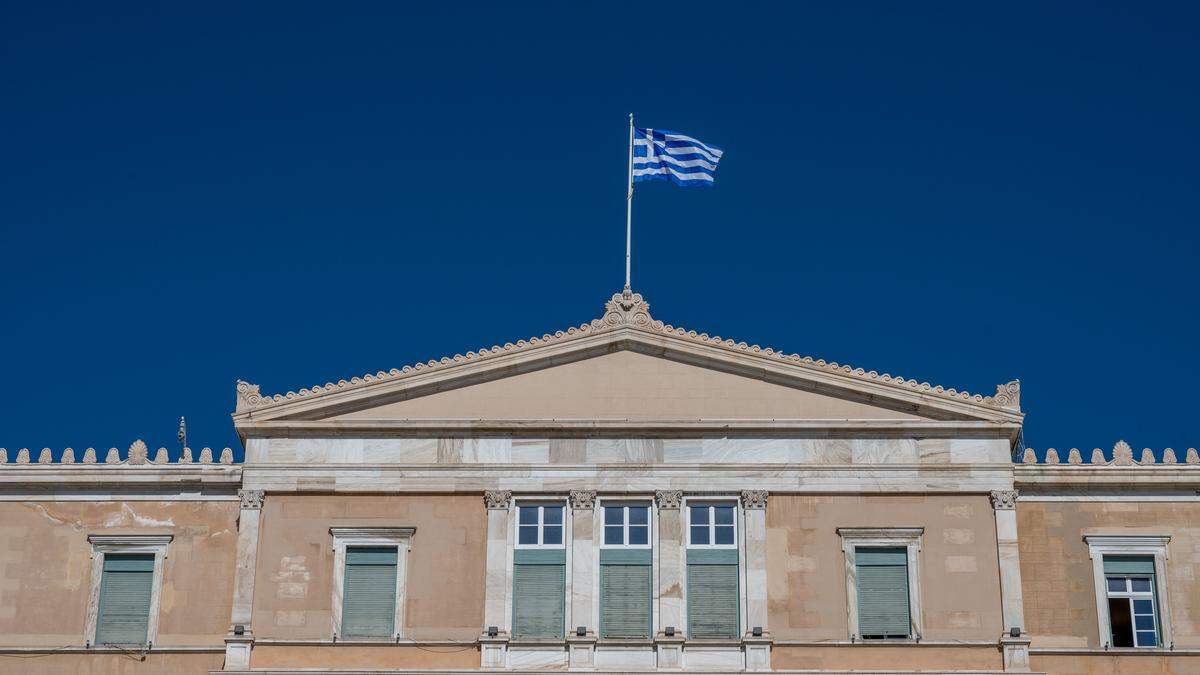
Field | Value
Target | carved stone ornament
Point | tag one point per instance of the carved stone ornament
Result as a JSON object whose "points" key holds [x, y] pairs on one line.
{"points": [[1122, 454], [668, 499], [497, 499], [89, 456], [627, 309], [251, 499], [1008, 395], [1004, 500], [248, 396], [23, 456], [754, 499], [583, 499], [138, 453], [45, 456]]}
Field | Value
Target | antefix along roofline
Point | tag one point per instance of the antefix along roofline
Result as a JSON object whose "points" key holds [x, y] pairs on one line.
{"points": [[626, 324]]}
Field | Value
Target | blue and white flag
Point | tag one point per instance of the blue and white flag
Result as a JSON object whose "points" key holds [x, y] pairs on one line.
{"points": [[666, 155]]}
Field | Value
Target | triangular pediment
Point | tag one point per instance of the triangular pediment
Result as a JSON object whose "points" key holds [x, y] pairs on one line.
{"points": [[623, 366]]}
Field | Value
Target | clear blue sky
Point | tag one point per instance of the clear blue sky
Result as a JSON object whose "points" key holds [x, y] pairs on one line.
{"points": [[294, 193]]}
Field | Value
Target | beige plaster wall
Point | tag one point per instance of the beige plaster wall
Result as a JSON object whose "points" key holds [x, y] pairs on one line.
{"points": [[806, 577], [293, 592], [1107, 664], [111, 664], [627, 385], [1056, 572], [45, 568], [890, 659]]}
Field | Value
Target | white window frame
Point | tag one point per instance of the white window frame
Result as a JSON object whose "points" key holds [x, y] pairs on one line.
{"points": [[1116, 545], [710, 502], [117, 544], [627, 502], [541, 525], [908, 538], [350, 537]]}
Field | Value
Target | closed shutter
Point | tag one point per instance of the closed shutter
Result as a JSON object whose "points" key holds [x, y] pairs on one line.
{"points": [[369, 592], [125, 587], [1129, 564], [712, 594], [882, 592], [539, 593], [625, 593]]}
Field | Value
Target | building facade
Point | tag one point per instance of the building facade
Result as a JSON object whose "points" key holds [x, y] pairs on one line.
{"points": [[622, 496]]}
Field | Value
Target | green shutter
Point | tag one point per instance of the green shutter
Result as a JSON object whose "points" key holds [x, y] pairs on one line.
{"points": [[125, 587], [1128, 564], [625, 592], [539, 593], [369, 592], [882, 575], [712, 594]]}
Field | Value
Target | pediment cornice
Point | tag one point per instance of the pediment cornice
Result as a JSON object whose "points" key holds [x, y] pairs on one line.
{"points": [[626, 323]]}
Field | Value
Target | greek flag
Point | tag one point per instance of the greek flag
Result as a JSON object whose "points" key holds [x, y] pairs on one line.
{"points": [[666, 155]]}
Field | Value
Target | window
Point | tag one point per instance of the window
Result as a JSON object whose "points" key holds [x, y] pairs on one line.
{"points": [[126, 584], [1131, 593], [713, 580], [882, 590], [539, 571], [368, 589], [1129, 582], [540, 525], [626, 590]]}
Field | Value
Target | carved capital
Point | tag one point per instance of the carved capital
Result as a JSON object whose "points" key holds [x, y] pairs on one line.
{"points": [[251, 499], [248, 396], [583, 499], [754, 499], [668, 499], [497, 499], [627, 309], [1004, 500]]}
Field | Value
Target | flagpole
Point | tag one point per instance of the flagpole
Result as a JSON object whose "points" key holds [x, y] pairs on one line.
{"points": [[629, 204]]}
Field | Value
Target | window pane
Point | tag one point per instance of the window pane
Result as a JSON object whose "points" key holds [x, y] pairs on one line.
{"points": [[613, 515], [638, 515], [552, 535], [1122, 625], [614, 535], [1143, 607], [724, 535], [527, 534], [1116, 584], [639, 535], [1147, 639], [527, 515], [700, 534], [699, 515], [552, 515], [1140, 585], [1143, 622], [724, 515]]}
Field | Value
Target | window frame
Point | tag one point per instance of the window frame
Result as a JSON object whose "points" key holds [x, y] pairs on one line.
{"points": [[125, 544], [541, 524], [1122, 545], [1129, 595], [625, 503], [908, 538], [351, 537], [689, 503]]}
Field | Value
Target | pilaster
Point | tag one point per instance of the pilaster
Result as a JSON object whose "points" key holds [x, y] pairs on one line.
{"points": [[583, 562], [240, 639], [1015, 647], [758, 647], [669, 588], [493, 648]]}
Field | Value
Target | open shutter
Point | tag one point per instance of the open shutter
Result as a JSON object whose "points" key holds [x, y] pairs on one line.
{"points": [[712, 594], [125, 587], [882, 592], [539, 593], [625, 592], [369, 592]]}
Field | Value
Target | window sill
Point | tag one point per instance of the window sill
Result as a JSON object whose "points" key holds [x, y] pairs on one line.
{"points": [[624, 642]]}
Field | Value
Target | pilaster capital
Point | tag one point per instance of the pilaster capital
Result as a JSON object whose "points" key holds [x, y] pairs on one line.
{"points": [[497, 499], [583, 499], [1004, 500], [668, 499], [251, 499], [754, 499]]}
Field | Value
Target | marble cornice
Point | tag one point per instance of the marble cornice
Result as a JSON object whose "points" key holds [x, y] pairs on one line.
{"points": [[627, 324], [1040, 479], [86, 476]]}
